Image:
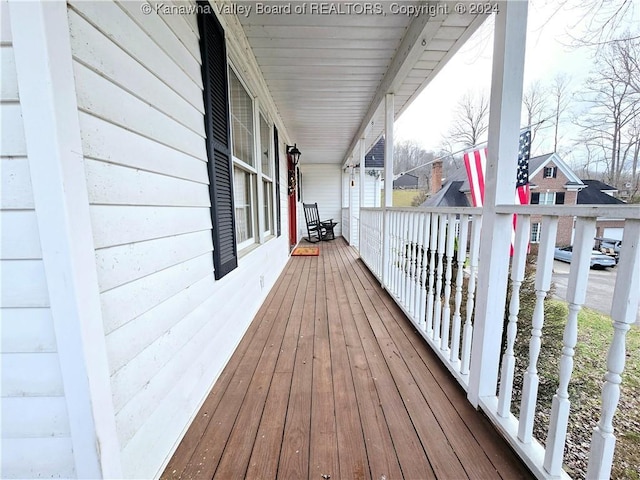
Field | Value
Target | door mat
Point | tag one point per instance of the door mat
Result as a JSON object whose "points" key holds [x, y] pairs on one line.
{"points": [[306, 252]]}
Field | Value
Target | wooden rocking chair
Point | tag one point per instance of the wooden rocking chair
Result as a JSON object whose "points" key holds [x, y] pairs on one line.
{"points": [[317, 229]]}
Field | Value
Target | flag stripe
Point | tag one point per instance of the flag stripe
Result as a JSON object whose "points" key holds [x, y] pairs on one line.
{"points": [[475, 163]]}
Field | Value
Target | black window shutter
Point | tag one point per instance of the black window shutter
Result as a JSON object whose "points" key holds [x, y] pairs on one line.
{"points": [[276, 144], [220, 163], [535, 198], [555, 171], [559, 198]]}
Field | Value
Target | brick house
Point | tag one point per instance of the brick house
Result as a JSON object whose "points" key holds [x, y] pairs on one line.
{"points": [[552, 182]]}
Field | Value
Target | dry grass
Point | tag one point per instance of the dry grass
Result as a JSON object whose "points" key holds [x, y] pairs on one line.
{"points": [[595, 332]]}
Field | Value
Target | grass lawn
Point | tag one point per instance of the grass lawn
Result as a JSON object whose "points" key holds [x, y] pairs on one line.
{"points": [[401, 198], [595, 332]]}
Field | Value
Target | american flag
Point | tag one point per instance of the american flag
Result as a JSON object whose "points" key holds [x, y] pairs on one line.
{"points": [[475, 163]]}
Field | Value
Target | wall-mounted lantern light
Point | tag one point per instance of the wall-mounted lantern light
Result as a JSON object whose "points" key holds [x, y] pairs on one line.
{"points": [[294, 154]]}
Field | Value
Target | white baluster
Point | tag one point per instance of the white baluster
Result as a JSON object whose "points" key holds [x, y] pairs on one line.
{"points": [[446, 312], [518, 263], [624, 309], [542, 285], [423, 269], [576, 294], [433, 242], [467, 332], [461, 257], [437, 314], [406, 255], [394, 256], [418, 220], [415, 219]]}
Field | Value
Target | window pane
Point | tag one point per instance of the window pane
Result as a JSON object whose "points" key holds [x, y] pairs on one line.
{"points": [[265, 148], [241, 120], [268, 206], [242, 199]]}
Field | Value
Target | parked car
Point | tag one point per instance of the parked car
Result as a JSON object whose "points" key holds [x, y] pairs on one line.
{"points": [[598, 259], [609, 246]]}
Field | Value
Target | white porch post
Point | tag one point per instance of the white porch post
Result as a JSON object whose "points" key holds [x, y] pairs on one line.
{"points": [[500, 178], [52, 134], [362, 153], [388, 182], [350, 201]]}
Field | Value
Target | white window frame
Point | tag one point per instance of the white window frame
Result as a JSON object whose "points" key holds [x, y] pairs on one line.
{"points": [[553, 172], [245, 167], [267, 210], [545, 197], [535, 232]]}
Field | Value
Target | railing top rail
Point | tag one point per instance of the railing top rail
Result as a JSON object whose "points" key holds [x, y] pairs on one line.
{"points": [[452, 210], [589, 211]]}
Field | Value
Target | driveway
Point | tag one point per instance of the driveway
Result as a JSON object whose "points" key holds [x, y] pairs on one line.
{"points": [[599, 288]]}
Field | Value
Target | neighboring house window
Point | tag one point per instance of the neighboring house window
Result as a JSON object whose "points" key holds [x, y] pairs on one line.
{"points": [[550, 172], [267, 175], [547, 198], [535, 232], [219, 161], [244, 168]]}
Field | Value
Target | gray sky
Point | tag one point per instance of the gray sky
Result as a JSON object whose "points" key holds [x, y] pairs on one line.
{"points": [[428, 119]]}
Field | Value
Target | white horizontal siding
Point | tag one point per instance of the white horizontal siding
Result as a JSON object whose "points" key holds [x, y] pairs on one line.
{"points": [[322, 184], [169, 326], [27, 330], [118, 225], [35, 424], [116, 185], [19, 238], [31, 374], [121, 305], [16, 183], [9, 83], [13, 143], [126, 263], [99, 53], [109, 18], [108, 142], [34, 417], [30, 457]]}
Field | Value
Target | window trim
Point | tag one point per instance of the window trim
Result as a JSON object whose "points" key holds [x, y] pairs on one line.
{"points": [[553, 172], [534, 236], [252, 171]]}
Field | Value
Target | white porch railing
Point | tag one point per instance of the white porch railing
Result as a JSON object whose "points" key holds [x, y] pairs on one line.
{"points": [[430, 269], [345, 224], [350, 227]]}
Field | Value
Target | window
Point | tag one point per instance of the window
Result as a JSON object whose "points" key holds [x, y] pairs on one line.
{"points": [[535, 232], [267, 176], [244, 171], [547, 198], [550, 172]]}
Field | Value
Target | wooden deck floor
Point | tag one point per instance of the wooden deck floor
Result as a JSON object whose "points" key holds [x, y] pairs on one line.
{"points": [[332, 380]]}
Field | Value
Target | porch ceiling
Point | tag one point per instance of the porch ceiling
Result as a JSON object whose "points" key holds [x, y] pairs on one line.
{"points": [[328, 73]]}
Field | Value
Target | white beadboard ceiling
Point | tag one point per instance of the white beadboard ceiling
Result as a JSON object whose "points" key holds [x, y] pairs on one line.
{"points": [[328, 73]]}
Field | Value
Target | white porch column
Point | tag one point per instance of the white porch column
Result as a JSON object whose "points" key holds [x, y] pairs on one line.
{"points": [[52, 133], [388, 182], [361, 154], [350, 201], [500, 178], [362, 170]]}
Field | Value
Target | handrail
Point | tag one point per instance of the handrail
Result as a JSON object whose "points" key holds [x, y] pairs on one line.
{"points": [[433, 279]]}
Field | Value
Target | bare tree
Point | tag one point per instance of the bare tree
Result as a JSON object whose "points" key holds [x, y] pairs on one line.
{"points": [[408, 155], [614, 107], [534, 102], [471, 120], [560, 96], [599, 22]]}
